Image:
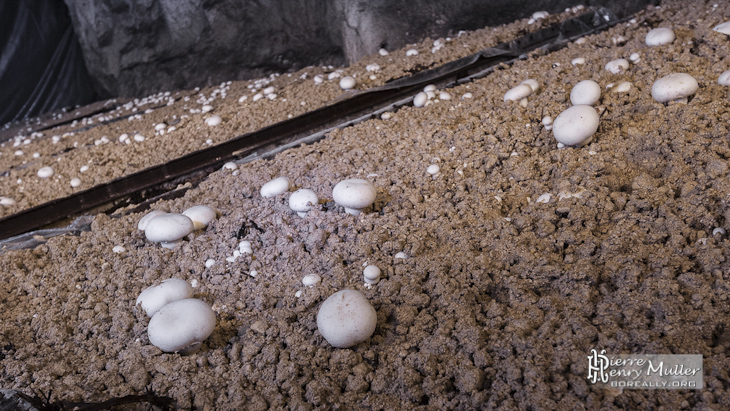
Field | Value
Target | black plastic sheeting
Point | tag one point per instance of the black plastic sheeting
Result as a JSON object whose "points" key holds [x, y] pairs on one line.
{"points": [[41, 65]]}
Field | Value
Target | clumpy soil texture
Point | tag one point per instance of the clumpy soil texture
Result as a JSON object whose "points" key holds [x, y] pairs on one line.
{"points": [[501, 298]]}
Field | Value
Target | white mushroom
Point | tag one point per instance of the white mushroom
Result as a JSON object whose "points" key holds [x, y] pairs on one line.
{"points": [[213, 120], [146, 219], [534, 85], [7, 202], [723, 28], [347, 83], [302, 201], [578, 60], [659, 36], [371, 274], [157, 296], [168, 228], [275, 187], [586, 92], [181, 326], [420, 99], [519, 93], [674, 87], [724, 79], [547, 121], [201, 215], [310, 280], [45, 172], [346, 318], [617, 66], [354, 194], [576, 125]]}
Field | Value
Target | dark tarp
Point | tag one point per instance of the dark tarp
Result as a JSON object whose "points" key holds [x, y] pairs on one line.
{"points": [[41, 65]]}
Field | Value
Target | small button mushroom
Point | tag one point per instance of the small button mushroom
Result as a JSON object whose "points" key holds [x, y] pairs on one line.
{"points": [[75, 182], [586, 92], [635, 57], [420, 99], [371, 274], [181, 326], [302, 201], [433, 169], [577, 61], [444, 96], [534, 85], [622, 87], [576, 125], [724, 79], [383, 52], [275, 187], [354, 194], [659, 36], [310, 280], [347, 83], [7, 202], [430, 87], [547, 121], [519, 93], [157, 296], [411, 52], [674, 87], [318, 79], [723, 28], [213, 120], [146, 219], [617, 66], [201, 216], [346, 319], [45, 172], [168, 228]]}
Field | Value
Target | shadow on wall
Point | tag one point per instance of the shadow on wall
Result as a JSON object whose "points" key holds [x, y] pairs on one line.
{"points": [[41, 65]]}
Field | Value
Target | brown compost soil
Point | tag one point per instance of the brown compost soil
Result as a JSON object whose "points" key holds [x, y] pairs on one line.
{"points": [[500, 299]]}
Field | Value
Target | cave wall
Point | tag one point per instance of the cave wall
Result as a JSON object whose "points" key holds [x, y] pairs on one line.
{"points": [[138, 47]]}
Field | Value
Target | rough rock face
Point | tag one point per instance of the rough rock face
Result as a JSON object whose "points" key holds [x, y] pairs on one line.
{"points": [[137, 47]]}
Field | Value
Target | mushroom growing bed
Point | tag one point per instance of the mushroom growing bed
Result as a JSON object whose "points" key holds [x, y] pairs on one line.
{"points": [[500, 269]]}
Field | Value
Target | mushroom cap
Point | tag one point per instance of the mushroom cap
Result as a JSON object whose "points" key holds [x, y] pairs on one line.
{"points": [[659, 36], [168, 227], [157, 296], [142, 225], [723, 28], [181, 324], [420, 99], [576, 125], [617, 66], [347, 83], [724, 79], [354, 193], [674, 86], [534, 85], [303, 200], [518, 92], [346, 318], [201, 215], [586, 92], [275, 187]]}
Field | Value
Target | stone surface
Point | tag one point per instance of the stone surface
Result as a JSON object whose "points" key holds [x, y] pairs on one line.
{"points": [[137, 47]]}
